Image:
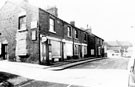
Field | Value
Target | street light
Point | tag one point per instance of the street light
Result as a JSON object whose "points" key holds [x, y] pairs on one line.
{"points": [[133, 42]]}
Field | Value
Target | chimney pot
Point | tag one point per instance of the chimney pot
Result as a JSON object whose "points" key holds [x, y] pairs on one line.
{"points": [[89, 30], [72, 23]]}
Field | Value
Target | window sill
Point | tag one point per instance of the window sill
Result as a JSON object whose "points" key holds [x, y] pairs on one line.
{"points": [[69, 36], [76, 38], [85, 40], [22, 30], [52, 31]]}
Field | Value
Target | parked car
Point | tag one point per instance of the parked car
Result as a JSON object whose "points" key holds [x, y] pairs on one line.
{"points": [[131, 69]]}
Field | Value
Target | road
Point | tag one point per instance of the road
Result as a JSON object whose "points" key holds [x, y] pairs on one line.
{"points": [[110, 63], [102, 73]]}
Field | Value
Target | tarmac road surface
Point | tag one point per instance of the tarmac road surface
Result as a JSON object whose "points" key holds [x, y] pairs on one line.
{"points": [[102, 73]]}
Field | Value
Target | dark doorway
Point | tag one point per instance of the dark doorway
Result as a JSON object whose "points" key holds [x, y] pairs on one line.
{"points": [[80, 51], [4, 51]]}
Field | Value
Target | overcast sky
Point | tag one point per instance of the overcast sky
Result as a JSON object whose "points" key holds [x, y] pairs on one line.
{"points": [[109, 19]]}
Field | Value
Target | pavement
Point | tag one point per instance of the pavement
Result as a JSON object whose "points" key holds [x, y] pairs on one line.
{"points": [[56, 66], [22, 69], [65, 66]]}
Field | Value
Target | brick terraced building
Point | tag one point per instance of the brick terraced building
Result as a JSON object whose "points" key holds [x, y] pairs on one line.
{"points": [[31, 34]]}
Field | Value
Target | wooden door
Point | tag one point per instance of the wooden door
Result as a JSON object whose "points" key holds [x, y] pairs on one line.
{"points": [[42, 52]]}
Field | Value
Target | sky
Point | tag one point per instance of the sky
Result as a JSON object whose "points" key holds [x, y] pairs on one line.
{"points": [[108, 19]]}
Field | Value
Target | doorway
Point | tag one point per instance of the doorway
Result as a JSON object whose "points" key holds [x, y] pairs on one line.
{"points": [[80, 51], [4, 51], [42, 52]]}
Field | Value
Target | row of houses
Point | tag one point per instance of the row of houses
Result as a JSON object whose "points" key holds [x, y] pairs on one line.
{"points": [[31, 34]]}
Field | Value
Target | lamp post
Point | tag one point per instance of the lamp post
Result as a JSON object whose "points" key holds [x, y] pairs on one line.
{"points": [[133, 42]]}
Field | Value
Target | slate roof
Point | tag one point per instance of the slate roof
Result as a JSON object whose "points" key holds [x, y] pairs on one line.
{"points": [[124, 43], [118, 43], [111, 43]]}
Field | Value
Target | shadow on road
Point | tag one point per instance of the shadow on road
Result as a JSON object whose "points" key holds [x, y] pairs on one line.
{"points": [[4, 77]]}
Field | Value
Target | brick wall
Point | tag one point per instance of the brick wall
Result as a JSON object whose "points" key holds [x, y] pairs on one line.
{"points": [[32, 15], [9, 28], [44, 25]]}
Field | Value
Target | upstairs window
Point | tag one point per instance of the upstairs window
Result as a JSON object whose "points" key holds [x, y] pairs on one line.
{"points": [[69, 31], [51, 24], [85, 37], [76, 34], [22, 22]]}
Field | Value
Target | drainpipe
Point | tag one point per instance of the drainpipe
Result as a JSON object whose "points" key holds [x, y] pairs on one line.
{"points": [[62, 44], [47, 52], [38, 30], [73, 35], [73, 41], [62, 51]]}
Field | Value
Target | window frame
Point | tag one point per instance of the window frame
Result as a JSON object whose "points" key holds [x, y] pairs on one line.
{"points": [[76, 34], [19, 23], [85, 37], [69, 31], [52, 25]]}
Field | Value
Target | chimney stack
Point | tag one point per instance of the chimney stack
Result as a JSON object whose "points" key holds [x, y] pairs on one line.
{"points": [[53, 11], [72, 23], [89, 30]]}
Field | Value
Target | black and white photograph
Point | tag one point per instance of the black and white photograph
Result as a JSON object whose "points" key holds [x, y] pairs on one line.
{"points": [[67, 43]]}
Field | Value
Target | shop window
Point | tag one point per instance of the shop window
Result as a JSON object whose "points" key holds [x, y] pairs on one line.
{"points": [[75, 49], [50, 45], [85, 49], [56, 49], [22, 22], [92, 51], [50, 48], [69, 31], [51, 24]]}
